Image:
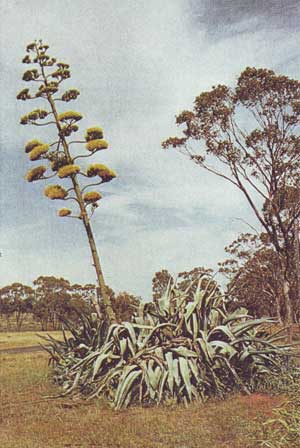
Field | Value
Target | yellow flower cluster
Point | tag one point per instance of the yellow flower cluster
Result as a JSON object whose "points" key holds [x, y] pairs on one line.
{"points": [[103, 171], [68, 170], [32, 144], [70, 115], [30, 75], [93, 133], [64, 212], [92, 196], [71, 94], [37, 151], [51, 88], [55, 192], [35, 173], [23, 95], [96, 145]]}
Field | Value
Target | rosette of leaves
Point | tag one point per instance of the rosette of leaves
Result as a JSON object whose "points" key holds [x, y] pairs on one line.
{"points": [[177, 349]]}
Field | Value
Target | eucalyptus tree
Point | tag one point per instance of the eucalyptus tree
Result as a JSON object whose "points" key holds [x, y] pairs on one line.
{"points": [[47, 75], [16, 300], [249, 136]]}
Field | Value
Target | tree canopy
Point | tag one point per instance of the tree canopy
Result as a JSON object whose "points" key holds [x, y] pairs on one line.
{"points": [[249, 136]]}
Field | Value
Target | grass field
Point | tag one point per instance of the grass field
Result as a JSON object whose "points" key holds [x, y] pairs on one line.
{"points": [[25, 339], [30, 421]]}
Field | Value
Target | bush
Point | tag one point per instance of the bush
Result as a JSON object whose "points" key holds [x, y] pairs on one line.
{"points": [[177, 349]]}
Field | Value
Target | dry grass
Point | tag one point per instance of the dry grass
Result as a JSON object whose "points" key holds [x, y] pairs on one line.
{"points": [[30, 421], [25, 339]]}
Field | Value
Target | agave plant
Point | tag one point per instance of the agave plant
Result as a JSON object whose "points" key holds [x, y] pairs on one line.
{"points": [[176, 349]]}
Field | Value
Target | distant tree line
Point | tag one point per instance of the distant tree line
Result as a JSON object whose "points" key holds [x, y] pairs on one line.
{"points": [[52, 300], [253, 278]]}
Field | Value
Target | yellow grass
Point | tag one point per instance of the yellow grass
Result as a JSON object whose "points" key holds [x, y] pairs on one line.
{"points": [[28, 420], [26, 339]]}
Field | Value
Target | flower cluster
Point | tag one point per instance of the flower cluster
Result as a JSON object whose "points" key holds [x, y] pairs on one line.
{"points": [[23, 95], [68, 170], [32, 144], [37, 151], [68, 129], [35, 173], [69, 116], [55, 192], [69, 95], [26, 59], [57, 160], [92, 196], [51, 88], [31, 75], [103, 171], [64, 212], [93, 133], [96, 145], [35, 115], [61, 74]]}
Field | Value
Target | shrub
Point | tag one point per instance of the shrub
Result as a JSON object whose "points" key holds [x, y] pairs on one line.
{"points": [[176, 349]]}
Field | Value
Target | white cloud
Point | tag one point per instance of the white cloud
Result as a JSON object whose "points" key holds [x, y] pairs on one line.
{"points": [[137, 64]]}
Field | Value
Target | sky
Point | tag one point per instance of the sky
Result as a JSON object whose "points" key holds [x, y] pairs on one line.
{"points": [[137, 63]]}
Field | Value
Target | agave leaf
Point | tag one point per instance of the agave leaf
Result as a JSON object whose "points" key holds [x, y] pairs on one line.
{"points": [[164, 301], [194, 369], [131, 332], [246, 326], [154, 330], [123, 346], [131, 347], [163, 379], [236, 376], [222, 329], [233, 317], [182, 351], [176, 372], [225, 348], [191, 307], [170, 372], [111, 329], [185, 373], [153, 374], [98, 363], [195, 326], [124, 384]]}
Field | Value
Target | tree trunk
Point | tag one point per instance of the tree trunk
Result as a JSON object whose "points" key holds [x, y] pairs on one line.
{"points": [[288, 308], [278, 308], [297, 258]]}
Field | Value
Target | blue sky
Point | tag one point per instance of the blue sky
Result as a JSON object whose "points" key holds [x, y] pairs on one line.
{"points": [[137, 64]]}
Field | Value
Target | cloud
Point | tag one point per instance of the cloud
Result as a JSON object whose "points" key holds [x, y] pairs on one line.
{"points": [[224, 18], [137, 64]]}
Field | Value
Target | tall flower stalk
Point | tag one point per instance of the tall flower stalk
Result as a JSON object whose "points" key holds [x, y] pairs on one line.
{"points": [[48, 75]]}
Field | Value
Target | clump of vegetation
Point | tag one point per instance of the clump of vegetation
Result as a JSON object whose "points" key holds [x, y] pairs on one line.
{"points": [[283, 429], [180, 348]]}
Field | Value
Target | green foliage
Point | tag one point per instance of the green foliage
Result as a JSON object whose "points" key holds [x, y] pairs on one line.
{"points": [[177, 349], [283, 429]]}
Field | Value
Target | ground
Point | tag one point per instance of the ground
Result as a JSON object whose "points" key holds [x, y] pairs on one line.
{"points": [[29, 420], [25, 339]]}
